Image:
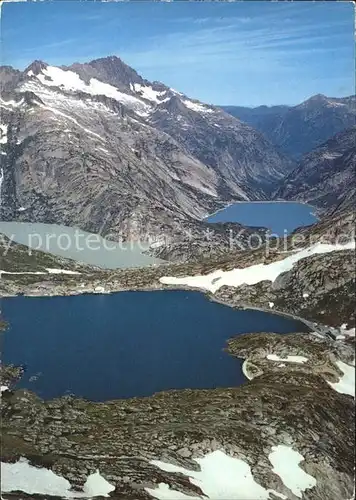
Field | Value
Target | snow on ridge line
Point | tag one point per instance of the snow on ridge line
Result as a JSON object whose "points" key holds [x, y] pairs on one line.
{"points": [[148, 93], [199, 108], [252, 274], [53, 76], [21, 476]]}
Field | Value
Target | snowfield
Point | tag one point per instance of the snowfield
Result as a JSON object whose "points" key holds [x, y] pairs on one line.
{"points": [[21, 476], [285, 463], [346, 384], [253, 274], [148, 93], [223, 477], [71, 81], [288, 359], [198, 108]]}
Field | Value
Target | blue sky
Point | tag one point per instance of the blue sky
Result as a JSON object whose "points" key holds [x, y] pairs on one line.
{"points": [[243, 53]]}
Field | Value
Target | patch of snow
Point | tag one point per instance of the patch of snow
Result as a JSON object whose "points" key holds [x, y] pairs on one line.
{"points": [[21, 209], [281, 365], [60, 113], [331, 156], [20, 272], [103, 150], [21, 476], [60, 271], [347, 332], [12, 104], [305, 295], [198, 108], [271, 305], [49, 271], [175, 91], [30, 73], [4, 388], [69, 80], [333, 104], [346, 384], [285, 463], [1, 183], [253, 274], [220, 477], [96, 485], [164, 492], [3, 133], [148, 93], [288, 359]]}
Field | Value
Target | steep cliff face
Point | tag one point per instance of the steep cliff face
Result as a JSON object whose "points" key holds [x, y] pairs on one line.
{"points": [[326, 176], [96, 145], [296, 130]]}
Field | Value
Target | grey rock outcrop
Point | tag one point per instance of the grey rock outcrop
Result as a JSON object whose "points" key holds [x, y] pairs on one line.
{"points": [[326, 177]]}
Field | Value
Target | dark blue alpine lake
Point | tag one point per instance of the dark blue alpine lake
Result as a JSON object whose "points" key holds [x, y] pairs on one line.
{"points": [[281, 217], [128, 344]]}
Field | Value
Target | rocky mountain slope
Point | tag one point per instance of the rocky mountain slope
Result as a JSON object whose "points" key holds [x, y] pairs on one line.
{"points": [[296, 130], [326, 177], [97, 146]]}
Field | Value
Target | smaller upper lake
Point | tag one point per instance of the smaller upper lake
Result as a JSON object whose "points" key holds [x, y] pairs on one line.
{"points": [[73, 243], [129, 343], [281, 217]]}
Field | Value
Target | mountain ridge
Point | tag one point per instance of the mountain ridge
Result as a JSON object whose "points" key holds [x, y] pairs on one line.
{"points": [[326, 176], [122, 159], [298, 129]]}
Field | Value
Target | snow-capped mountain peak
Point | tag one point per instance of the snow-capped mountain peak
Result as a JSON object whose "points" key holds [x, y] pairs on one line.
{"points": [[96, 140]]}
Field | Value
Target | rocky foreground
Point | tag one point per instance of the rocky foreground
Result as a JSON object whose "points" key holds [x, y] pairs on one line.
{"points": [[292, 404]]}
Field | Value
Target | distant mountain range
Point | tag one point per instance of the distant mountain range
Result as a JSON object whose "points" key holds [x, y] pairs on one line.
{"points": [[326, 177], [296, 130], [97, 146]]}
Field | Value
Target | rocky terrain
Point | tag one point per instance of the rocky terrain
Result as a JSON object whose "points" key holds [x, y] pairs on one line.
{"points": [[296, 130], [325, 177], [98, 147]]}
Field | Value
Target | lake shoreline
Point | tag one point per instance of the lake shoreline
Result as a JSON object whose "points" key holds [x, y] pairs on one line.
{"points": [[262, 202], [211, 297]]}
